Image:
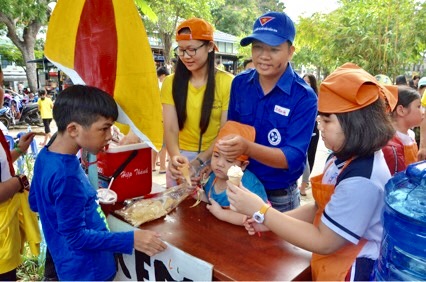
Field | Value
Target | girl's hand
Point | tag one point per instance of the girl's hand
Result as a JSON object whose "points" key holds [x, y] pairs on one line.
{"points": [[200, 178], [242, 200], [175, 163], [25, 141], [253, 227]]}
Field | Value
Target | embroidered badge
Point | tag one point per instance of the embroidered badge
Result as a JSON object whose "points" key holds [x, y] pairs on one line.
{"points": [[265, 20], [281, 110], [274, 137]]}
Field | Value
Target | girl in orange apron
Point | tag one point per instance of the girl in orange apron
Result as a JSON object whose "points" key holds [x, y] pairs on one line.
{"points": [[342, 228], [402, 149]]}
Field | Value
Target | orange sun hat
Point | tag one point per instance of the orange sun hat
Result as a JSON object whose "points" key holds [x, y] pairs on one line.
{"points": [[350, 88], [235, 128], [199, 30]]}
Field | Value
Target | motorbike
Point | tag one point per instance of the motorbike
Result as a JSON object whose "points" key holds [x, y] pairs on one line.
{"points": [[22, 112], [6, 117]]}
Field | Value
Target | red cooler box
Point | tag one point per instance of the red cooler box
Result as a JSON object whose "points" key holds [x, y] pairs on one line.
{"points": [[135, 179]]}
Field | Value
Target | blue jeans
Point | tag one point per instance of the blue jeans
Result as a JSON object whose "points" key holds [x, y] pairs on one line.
{"points": [[286, 202]]}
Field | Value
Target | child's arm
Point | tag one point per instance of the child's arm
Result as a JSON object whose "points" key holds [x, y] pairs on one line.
{"points": [[9, 188], [305, 213], [227, 215], [320, 240]]}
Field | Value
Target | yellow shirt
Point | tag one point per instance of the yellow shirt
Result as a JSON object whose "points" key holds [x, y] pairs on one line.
{"points": [[424, 99], [45, 107], [17, 225], [189, 136]]}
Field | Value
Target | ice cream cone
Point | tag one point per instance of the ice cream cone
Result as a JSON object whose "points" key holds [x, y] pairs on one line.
{"points": [[235, 174], [236, 180]]}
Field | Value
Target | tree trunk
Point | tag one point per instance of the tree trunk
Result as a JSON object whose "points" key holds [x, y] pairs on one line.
{"points": [[31, 68], [25, 44], [167, 41]]}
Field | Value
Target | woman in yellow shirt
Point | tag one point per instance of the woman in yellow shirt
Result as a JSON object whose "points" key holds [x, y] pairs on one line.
{"points": [[195, 99]]}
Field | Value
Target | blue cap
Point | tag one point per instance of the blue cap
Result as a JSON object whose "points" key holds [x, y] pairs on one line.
{"points": [[272, 28]]}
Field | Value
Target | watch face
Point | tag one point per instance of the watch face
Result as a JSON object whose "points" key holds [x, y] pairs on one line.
{"points": [[258, 217]]}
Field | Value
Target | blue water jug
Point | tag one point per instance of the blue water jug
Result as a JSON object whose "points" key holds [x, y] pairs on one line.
{"points": [[403, 250]]}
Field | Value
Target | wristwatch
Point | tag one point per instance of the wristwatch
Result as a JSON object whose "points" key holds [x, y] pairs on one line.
{"points": [[259, 216], [25, 184]]}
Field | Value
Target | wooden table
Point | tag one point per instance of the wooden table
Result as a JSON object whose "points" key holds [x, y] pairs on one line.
{"points": [[234, 254]]}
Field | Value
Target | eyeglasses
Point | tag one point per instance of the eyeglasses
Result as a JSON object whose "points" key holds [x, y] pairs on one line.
{"points": [[190, 51]]}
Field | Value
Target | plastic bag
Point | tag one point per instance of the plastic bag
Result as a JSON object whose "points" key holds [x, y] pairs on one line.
{"points": [[154, 206]]}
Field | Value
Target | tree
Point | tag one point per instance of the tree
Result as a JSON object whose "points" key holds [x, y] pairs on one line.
{"points": [[381, 36], [236, 17], [23, 20], [170, 13]]}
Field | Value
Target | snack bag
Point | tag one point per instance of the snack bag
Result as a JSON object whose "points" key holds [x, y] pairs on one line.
{"points": [[153, 206]]}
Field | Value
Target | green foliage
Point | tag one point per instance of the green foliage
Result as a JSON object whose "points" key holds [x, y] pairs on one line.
{"points": [[236, 17], [12, 54], [23, 19], [382, 36], [170, 12], [31, 269]]}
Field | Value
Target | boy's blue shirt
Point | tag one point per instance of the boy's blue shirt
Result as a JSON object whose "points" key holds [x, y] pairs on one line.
{"points": [[74, 225], [249, 180]]}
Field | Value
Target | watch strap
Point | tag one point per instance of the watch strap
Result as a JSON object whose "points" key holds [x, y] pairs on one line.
{"points": [[264, 208], [20, 182]]}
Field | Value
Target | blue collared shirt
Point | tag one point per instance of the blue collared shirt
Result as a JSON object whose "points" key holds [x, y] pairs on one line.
{"points": [[284, 119]]}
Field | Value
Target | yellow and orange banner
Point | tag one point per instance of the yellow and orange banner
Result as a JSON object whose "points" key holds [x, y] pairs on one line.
{"points": [[103, 43]]}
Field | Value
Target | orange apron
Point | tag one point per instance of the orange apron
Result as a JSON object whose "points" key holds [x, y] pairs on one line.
{"points": [[334, 266], [410, 153]]}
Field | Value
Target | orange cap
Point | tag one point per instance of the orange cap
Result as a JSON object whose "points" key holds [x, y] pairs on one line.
{"points": [[200, 30], [232, 127], [350, 88]]}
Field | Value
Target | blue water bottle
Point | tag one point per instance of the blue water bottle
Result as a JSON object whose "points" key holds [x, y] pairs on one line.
{"points": [[403, 249]]}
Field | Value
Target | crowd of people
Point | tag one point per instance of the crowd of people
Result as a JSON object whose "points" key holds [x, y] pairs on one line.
{"points": [[266, 120]]}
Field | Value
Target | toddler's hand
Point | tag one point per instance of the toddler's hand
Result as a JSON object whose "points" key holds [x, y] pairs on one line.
{"points": [[253, 227], [215, 208]]}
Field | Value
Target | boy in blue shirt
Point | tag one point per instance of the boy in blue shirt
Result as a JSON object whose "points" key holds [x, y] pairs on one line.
{"points": [[215, 188], [74, 225]]}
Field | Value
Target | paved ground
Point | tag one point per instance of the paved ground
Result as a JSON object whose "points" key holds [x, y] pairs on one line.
{"points": [[159, 180]]}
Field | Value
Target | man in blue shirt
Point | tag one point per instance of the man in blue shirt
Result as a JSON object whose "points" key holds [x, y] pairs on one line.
{"points": [[279, 104]]}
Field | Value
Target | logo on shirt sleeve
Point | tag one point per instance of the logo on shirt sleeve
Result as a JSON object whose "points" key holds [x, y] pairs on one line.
{"points": [[274, 137], [281, 110]]}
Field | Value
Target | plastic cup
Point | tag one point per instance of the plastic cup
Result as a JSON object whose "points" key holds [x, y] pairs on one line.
{"points": [[107, 198]]}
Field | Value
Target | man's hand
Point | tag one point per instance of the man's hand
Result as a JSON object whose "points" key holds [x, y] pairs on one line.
{"points": [[232, 146]]}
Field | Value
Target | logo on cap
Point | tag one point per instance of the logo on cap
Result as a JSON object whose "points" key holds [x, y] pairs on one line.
{"points": [[265, 20]]}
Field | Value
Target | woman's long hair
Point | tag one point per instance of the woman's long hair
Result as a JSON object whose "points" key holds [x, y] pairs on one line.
{"points": [[180, 92]]}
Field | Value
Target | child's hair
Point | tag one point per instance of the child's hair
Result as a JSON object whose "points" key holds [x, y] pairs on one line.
{"points": [[83, 105], [312, 81], [246, 62], [401, 80], [366, 130], [406, 95], [162, 71], [180, 89]]}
